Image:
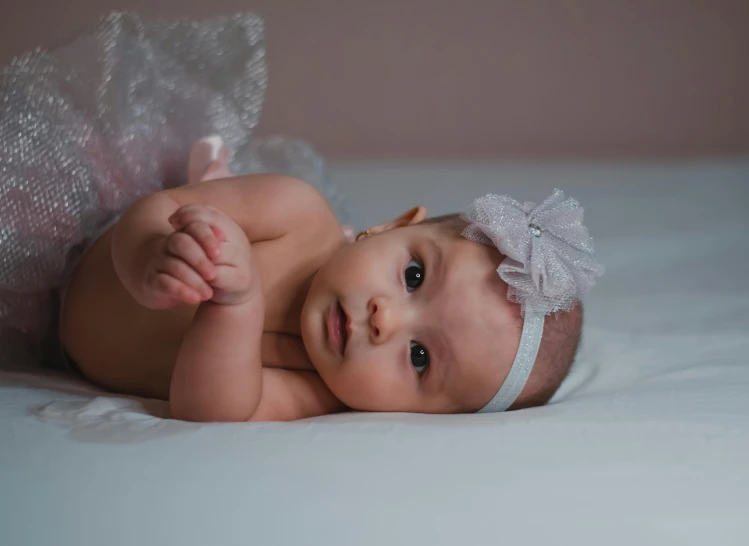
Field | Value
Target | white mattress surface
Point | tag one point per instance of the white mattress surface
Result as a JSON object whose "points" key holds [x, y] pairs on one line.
{"points": [[646, 443]]}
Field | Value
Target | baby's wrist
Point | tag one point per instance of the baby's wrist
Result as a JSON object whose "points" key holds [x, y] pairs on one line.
{"points": [[252, 296]]}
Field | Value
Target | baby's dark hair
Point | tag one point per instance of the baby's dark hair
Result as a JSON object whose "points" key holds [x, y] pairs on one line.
{"points": [[445, 218], [559, 344]]}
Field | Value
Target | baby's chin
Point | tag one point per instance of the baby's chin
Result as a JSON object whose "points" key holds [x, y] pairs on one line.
{"points": [[333, 380], [337, 377]]}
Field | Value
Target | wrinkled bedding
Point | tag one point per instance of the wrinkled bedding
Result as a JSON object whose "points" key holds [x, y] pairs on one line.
{"points": [[647, 442]]}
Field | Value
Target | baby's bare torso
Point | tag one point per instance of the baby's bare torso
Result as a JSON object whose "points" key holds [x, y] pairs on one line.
{"points": [[127, 348]]}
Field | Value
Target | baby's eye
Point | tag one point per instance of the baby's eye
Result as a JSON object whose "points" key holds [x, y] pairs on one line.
{"points": [[414, 275], [419, 357]]}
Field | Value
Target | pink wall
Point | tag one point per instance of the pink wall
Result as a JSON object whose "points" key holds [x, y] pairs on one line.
{"points": [[496, 78]]}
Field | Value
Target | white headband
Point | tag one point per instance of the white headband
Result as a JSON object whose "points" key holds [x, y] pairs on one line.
{"points": [[530, 341], [548, 266]]}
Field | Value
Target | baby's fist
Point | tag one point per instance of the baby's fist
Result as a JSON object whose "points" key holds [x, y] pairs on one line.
{"points": [[180, 268], [232, 277]]}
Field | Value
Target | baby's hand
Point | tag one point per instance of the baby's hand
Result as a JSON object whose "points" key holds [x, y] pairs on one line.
{"points": [[233, 277], [206, 258]]}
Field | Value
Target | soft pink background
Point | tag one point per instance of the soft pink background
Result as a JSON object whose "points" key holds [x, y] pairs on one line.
{"points": [[493, 78]]}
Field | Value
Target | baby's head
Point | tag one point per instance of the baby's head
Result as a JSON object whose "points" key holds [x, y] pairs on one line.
{"points": [[414, 317]]}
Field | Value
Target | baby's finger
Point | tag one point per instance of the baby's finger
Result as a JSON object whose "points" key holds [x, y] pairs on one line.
{"points": [[185, 247], [179, 270], [199, 213], [206, 238], [168, 285], [230, 255]]}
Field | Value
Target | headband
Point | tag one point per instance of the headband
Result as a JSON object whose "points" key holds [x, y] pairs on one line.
{"points": [[548, 267]]}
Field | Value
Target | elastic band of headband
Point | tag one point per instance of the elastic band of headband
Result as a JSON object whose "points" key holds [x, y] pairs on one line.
{"points": [[530, 341]]}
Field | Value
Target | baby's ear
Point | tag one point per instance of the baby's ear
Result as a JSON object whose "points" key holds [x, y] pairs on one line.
{"points": [[409, 218]]}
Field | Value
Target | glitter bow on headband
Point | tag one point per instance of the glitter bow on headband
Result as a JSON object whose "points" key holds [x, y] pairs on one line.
{"points": [[548, 267], [549, 262]]}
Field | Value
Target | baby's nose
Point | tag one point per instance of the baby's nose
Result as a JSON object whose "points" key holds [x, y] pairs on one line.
{"points": [[383, 320]]}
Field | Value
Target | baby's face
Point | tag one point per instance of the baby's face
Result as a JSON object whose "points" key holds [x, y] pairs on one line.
{"points": [[414, 319]]}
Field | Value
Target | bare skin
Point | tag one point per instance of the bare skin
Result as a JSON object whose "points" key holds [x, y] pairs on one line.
{"points": [[223, 298], [132, 347]]}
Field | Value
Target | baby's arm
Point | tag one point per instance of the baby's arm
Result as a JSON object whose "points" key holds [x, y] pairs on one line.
{"points": [[289, 395], [218, 373], [266, 207]]}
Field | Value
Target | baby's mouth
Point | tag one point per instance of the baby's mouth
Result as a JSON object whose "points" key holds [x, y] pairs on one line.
{"points": [[337, 329]]}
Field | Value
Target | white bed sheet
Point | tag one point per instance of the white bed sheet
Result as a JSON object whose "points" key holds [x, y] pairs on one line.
{"points": [[646, 443]]}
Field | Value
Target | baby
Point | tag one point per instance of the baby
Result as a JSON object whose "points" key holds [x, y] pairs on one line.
{"points": [[242, 299]]}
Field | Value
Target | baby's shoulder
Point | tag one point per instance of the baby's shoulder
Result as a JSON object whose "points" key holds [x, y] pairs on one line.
{"points": [[306, 205], [267, 206], [309, 228], [304, 212]]}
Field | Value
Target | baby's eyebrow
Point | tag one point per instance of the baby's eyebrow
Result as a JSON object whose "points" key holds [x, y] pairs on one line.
{"points": [[439, 261]]}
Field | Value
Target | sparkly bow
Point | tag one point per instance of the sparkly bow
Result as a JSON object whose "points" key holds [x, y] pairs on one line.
{"points": [[549, 262]]}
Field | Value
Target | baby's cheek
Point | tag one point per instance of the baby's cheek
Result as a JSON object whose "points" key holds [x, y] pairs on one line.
{"points": [[369, 386]]}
